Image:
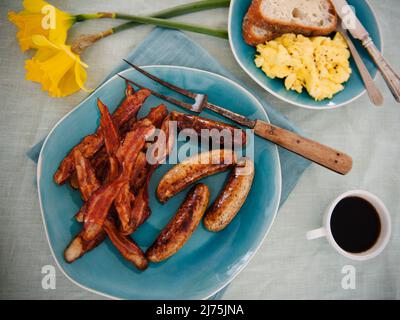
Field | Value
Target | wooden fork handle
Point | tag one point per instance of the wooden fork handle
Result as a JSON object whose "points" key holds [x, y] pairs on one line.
{"points": [[323, 155]]}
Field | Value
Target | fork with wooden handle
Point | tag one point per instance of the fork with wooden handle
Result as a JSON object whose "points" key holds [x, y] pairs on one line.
{"points": [[323, 155], [373, 92]]}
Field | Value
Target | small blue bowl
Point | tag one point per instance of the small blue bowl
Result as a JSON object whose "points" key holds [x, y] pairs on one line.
{"points": [[354, 88], [208, 261]]}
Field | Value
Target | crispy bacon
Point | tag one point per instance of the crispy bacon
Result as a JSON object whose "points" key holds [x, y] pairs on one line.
{"points": [[157, 115], [129, 89], [111, 141], [123, 204], [133, 175], [130, 107], [140, 210], [73, 181], [88, 146], [100, 163], [80, 215], [86, 177], [127, 155], [138, 175], [92, 143], [98, 206], [79, 246], [126, 246], [109, 129], [169, 143], [132, 145]]}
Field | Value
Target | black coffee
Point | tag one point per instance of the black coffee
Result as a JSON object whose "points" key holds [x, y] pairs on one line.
{"points": [[355, 224]]}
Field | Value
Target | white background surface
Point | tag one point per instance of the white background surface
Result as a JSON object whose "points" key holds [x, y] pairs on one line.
{"points": [[286, 266]]}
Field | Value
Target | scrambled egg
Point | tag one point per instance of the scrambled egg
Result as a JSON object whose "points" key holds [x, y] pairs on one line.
{"points": [[319, 64]]}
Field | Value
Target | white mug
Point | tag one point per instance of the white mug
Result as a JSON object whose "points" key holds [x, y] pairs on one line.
{"points": [[380, 244]]}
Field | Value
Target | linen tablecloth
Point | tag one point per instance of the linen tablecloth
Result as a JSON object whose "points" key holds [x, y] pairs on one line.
{"points": [[286, 266]]}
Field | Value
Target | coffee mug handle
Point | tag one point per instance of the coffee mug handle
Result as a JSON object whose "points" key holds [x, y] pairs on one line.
{"points": [[316, 233]]}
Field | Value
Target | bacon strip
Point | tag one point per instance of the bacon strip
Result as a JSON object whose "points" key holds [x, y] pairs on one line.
{"points": [[141, 209], [138, 175], [126, 246], [127, 155], [111, 140], [98, 206], [92, 143], [169, 143], [123, 204], [157, 115], [109, 129], [132, 145], [73, 181], [99, 163], [86, 177], [79, 246]]}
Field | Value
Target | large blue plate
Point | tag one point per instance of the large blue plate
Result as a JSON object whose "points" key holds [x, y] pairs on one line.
{"points": [[208, 261], [354, 88]]}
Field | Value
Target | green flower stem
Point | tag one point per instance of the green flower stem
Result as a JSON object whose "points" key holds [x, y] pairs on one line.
{"points": [[157, 18], [167, 13], [221, 33], [191, 7], [91, 16]]}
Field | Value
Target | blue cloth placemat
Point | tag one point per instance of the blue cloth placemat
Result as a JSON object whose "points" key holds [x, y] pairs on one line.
{"points": [[171, 47]]}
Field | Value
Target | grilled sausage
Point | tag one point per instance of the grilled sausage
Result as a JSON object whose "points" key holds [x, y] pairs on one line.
{"points": [[181, 226], [232, 197], [188, 121], [193, 169]]}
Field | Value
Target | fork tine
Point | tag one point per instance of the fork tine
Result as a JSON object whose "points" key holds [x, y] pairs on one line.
{"points": [[161, 96], [162, 82]]}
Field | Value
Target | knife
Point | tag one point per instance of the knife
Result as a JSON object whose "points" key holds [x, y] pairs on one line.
{"points": [[357, 30], [373, 92]]}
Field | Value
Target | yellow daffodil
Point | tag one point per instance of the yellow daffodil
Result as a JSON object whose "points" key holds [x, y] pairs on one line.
{"points": [[60, 71], [39, 17]]}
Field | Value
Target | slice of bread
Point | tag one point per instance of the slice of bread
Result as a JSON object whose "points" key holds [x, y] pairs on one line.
{"points": [[275, 17], [254, 35]]}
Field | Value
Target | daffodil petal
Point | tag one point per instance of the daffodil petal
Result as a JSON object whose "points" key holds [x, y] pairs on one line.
{"points": [[60, 71], [29, 23], [34, 5], [42, 41], [80, 77]]}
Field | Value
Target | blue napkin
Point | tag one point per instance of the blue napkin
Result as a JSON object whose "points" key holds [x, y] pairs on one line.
{"points": [[171, 47]]}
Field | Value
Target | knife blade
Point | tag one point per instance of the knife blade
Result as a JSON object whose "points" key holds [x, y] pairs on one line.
{"points": [[350, 20], [358, 31]]}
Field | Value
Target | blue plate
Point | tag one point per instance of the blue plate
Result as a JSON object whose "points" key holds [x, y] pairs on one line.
{"points": [[354, 88], [208, 261]]}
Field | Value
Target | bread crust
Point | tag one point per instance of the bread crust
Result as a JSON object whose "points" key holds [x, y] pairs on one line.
{"points": [[251, 38], [276, 27]]}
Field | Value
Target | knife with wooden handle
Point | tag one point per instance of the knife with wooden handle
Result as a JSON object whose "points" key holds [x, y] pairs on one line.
{"points": [[373, 92], [357, 30]]}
